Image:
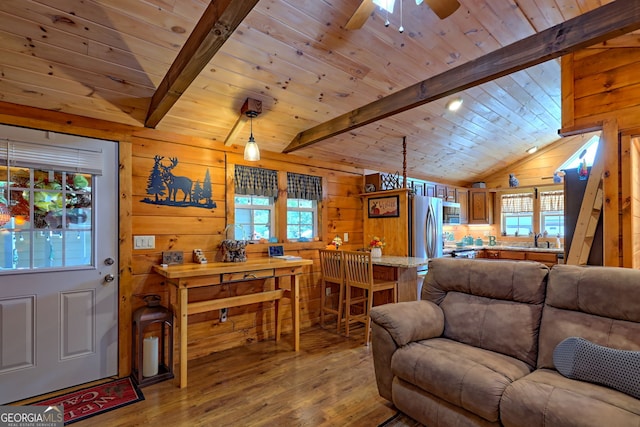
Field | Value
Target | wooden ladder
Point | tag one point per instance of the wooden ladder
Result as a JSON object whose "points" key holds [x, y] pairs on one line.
{"points": [[590, 212]]}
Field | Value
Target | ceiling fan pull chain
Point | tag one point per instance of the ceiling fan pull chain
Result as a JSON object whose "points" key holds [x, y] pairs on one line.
{"points": [[401, 29]]}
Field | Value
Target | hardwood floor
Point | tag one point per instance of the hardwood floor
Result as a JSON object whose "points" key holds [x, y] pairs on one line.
{"points": [[330, 382]]}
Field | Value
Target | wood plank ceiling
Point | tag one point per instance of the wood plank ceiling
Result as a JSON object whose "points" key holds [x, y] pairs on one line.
{"points": [[105, 59]]}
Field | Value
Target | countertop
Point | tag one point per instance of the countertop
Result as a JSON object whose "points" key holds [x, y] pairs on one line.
{"points": [[449, 249], [399, 261]]}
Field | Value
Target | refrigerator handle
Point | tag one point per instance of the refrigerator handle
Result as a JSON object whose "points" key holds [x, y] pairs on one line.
{"points": [[431, 230]]}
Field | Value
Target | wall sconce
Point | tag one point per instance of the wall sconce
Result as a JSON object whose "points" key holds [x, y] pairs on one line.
{"points": [[251, 150]]}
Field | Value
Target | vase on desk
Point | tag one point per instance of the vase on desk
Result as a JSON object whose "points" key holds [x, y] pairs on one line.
{"points": [[376, 252]]}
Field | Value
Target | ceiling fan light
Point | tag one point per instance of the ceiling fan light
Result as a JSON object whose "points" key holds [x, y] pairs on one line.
{"points": [[454, 104], [532, 150]]}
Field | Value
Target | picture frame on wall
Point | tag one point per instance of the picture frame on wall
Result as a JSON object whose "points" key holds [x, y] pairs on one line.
{"points": [[383, 207]]}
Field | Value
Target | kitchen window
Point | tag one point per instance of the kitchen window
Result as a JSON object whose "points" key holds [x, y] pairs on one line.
{"points": [[533, 210], [552, 212], [517, 214]]}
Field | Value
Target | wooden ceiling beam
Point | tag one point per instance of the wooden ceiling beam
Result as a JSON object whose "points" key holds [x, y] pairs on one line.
{"points": [[606, 22], [218, 22], [361, 15]]}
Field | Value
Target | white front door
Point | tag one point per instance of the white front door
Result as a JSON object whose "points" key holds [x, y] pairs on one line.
{"points": [[58, 263]]}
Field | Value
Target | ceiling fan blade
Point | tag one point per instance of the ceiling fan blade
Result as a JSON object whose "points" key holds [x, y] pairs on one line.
{"points": [[361, 15], [443, 8]]}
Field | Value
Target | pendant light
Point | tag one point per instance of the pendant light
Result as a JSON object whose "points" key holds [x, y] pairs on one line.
{"points": [[251, 150]]}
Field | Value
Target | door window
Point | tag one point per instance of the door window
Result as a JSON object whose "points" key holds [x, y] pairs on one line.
{"points": [[46, 212]]}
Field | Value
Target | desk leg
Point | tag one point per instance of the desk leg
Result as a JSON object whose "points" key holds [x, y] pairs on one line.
{"points": [[278, 312], [295, 310], [182, 315]]}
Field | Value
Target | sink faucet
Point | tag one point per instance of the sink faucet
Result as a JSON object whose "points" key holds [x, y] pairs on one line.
{"points": [[535, 239]]}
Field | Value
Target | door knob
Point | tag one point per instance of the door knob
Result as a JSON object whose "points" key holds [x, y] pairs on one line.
{"points": [[109, 278]]}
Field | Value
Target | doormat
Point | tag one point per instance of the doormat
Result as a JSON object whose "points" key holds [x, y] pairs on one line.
{"points": [[400, 420], [90, 401]]}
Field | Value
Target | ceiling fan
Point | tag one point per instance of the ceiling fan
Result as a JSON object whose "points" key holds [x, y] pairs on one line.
{"points": [[442, 8]]}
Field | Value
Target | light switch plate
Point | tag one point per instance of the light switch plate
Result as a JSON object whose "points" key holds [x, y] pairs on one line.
{"points": [[172, 257]]}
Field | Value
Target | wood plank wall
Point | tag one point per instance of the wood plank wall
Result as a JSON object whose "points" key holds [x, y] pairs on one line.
{"points": [[601, 85], [187, 228]]}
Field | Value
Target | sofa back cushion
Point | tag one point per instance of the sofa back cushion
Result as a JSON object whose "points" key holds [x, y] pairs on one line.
{"points": [[600, 304], [495, 305]]}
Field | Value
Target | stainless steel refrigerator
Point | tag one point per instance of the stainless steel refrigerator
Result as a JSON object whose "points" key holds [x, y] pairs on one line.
{"points": [[425, 227]]}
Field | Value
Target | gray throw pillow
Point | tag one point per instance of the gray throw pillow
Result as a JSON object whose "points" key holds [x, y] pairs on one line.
{"points": [[580, 359]]}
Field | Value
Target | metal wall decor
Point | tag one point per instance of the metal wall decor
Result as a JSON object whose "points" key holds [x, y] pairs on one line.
{"points": [[167, 188]]}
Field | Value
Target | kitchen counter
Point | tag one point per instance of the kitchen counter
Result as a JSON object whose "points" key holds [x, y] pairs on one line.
{"points": [[400, 261], [404, 270], [449, 249]]}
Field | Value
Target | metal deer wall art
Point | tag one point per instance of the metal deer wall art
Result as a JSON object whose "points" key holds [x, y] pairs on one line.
{"points": [[166, 188]]}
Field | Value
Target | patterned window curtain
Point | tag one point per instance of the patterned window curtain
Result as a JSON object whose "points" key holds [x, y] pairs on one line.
{"points": [[306, 187], [256, 181], [517, 203], [552, 201]]}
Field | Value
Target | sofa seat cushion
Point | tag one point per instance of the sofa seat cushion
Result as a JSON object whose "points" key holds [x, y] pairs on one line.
{"points": [[466, 376], [545, 397]]}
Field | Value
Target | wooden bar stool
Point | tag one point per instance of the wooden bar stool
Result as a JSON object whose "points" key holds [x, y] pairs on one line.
{"points": [[332, 272], [359, 274]]}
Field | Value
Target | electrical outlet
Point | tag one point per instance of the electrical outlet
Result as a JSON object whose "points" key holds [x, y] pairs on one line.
{"points": [[223, 314], [346, 237], [327, 292], [173, 257]]}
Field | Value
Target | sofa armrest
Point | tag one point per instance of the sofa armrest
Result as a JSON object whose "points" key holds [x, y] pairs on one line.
{"points": [[395, 325], [409, 321]]}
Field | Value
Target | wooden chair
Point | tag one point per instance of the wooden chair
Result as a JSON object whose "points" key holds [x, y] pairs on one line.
{"points": [[332, 270], [359, 274]]}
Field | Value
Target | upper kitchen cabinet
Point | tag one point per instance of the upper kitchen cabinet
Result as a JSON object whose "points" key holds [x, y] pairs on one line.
{"points": [[462, 197], [480, 206], [445, 192], [430, 189]]}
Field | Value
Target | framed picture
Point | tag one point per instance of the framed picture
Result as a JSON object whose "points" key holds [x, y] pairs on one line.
{"points": [[383, 207]]}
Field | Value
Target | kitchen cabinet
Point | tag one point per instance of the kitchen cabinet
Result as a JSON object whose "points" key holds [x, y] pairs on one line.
{"points": [[462, 197], [548, 258], [441, 191], [430, 189], [480, 206], [451, 194]]}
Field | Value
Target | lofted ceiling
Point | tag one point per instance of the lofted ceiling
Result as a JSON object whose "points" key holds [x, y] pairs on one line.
{"points": [[106, 58]]}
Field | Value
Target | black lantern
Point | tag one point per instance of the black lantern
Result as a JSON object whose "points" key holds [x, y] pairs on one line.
{"points": [[151, 357]]}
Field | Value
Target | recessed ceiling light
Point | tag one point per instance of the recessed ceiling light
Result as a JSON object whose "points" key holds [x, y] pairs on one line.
{"points": [[454, 104], [532, 149]]}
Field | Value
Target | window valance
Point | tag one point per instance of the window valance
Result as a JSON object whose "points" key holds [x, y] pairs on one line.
{"points": [[517, 203], [256, 181], [552, 201], [306, 187]]}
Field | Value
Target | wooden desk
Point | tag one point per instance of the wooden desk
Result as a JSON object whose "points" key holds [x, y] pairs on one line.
{"points": [[183, 277], [402, 269]]}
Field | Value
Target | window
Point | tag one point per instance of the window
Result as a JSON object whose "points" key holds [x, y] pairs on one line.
{"points": [[517, 214], [301, 219], [254, 217], [50, 207], [552, 213]]}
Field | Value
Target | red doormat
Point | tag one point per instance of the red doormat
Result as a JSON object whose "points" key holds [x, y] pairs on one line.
{"points": [[85, 403]]}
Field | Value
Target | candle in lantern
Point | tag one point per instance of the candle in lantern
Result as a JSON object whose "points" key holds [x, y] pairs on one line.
{"points": [[150, 356]]}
